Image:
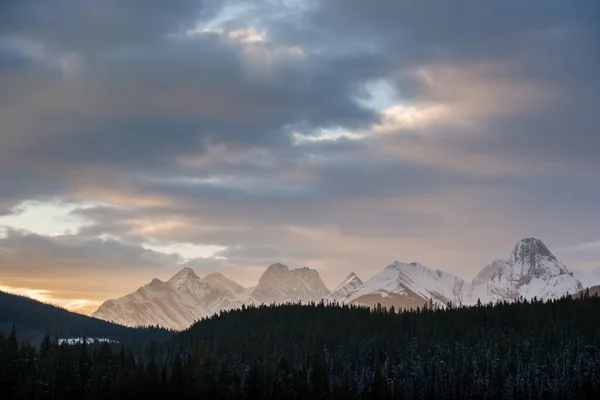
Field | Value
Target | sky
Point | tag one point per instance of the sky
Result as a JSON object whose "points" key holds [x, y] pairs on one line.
{"points": [[142, 136]]}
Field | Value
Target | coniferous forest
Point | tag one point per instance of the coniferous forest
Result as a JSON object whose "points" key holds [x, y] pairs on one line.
{"points": [[34, 320], [522, 350]]}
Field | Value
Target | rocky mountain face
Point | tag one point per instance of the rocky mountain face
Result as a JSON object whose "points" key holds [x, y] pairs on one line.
{"points": [[349, 286], [175, 304], [157, 303], [278, 284], [186, 298], [531, 271], [410, 285]]}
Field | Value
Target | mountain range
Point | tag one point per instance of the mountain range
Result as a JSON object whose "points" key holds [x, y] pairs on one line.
{"points": [[531, 271]]}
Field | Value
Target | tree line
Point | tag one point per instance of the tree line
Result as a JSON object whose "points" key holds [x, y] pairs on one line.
{"points": [[520, 350]]}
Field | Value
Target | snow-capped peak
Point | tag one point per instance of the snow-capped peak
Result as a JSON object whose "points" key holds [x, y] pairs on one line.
{"points": [[531, 259], [187, 281], [351, 284], [402, 265], [182, 276], [531, 271], [351, 281], [529, 249], [410, 285]]}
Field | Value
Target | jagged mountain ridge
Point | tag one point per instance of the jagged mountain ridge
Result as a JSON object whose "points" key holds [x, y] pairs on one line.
{"points": [[411, 285], [186, 298], [530, 271]]}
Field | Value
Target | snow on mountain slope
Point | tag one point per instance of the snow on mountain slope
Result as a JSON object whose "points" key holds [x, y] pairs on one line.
{"points": [[495, 270], [157, 303], [175, 304], [219, 281], [209, 299], [532, 271], [558, 287], [185, 297], [411, 285], [232, 290], [498, 278], [587, 278], [531, 259], [350, 285], [188, 282], [278, 284]]}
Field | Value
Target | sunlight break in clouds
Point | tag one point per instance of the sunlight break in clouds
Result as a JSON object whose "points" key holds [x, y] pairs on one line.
{"points": [[79, 306], [410, 117], [186, 250], [45, 218]]}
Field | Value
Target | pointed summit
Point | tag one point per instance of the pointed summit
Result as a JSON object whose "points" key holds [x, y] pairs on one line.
{"points": [[186, 280], [350, 285], [531, 271], [531, 259], [187, 271], [155, 283], [352, 276], [185, 274], [529, 250], [399, 265]]}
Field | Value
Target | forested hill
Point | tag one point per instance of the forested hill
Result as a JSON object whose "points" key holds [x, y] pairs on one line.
{"points": [[523, 350], [518, 350], [34, 319]]}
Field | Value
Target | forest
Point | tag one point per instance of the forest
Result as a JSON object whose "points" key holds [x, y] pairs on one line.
{"points": [[35, 319], [520, 350]]}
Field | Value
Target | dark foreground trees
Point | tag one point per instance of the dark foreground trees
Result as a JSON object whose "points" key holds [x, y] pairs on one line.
{"points": [[525, 350]]}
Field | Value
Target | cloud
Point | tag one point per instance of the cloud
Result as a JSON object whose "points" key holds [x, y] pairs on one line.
{"points": [[74, 265], [83, 24], [340, 135]]}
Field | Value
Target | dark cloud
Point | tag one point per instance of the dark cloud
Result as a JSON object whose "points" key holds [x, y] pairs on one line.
{"points": [[72, 249], [169, 100], [463, 30], [72, 24], [565, 136]]}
